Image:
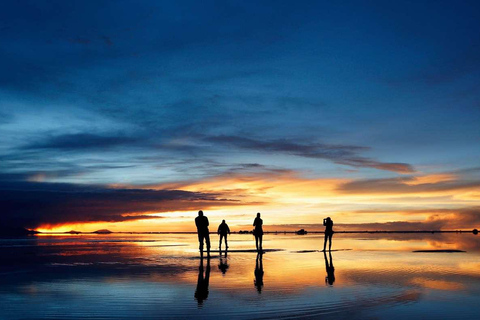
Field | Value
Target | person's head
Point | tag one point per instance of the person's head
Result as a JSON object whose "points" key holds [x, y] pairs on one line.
{"points": [[200, 213], [258, 215], [328, 219], [223, 221]]}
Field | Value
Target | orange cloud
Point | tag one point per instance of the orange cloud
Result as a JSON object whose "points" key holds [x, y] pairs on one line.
{"points": [[285, 198]]}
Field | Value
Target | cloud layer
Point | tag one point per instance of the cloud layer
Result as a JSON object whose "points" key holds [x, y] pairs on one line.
{"points": [[340, 154], [302, 109], [31, 204]]}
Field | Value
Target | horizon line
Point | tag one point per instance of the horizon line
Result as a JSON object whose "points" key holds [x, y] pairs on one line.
{"points": [[251, 232]]}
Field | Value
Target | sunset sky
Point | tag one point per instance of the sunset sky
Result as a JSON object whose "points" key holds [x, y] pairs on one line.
{"points": [[134, 115]]}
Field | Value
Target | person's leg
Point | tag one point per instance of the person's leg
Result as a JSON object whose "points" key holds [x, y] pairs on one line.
{"points": [[200, 242], [220, 243], [325, 242], [207, 240], [330, 242], [226, 243], [256, 242], [261, 239]]}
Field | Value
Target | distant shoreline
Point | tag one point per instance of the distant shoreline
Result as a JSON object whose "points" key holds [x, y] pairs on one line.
{"points": [[266, 232]]}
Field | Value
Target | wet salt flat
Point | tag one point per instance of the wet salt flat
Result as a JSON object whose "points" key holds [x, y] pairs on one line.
{"points": [[121, 276]]}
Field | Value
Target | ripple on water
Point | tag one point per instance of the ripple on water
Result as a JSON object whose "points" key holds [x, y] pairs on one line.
{"points": [[127, 279]]}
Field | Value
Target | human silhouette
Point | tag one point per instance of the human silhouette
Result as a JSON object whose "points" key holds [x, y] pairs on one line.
{"points": [[223, 231], [203, 234], [328, 223], [201, 292], [258, 231], [258, 281], [330, 278], [222, 263]]}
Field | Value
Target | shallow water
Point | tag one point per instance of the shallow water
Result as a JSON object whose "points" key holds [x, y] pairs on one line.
{"points": [[120, 276]]}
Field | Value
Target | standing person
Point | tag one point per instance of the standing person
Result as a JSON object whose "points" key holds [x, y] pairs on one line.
{"points": [[328, 223], [202, 229], [223, 230], [258, 231]]}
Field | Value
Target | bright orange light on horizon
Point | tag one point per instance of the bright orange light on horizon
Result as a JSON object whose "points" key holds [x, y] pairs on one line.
{"points": [[286, 198]]}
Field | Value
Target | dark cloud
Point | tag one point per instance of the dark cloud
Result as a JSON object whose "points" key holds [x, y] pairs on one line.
{"points": [[341, 154], [401, 185], [29, 204], [36, 166], [360, 162]]}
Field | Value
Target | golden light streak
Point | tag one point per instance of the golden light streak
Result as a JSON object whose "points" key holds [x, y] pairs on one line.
{"points": [[433, 178], [286, 197]]}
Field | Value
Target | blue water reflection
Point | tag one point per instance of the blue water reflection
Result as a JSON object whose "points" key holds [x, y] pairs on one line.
{"points": [[121, 276]]}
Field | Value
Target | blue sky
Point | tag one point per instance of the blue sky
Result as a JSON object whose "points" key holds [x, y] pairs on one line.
{"points": [[150, 92]]}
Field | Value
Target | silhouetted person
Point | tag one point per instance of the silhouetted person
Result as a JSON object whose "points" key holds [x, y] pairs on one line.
{"points": [[258, 281], [223, 231], [330, 278], [258, 231], [202, 229], [222, 264], [328, 223], [201, 293]]}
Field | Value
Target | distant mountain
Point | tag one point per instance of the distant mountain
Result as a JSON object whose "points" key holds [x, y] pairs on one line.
{"points": [[103, 231], [16, 232], [74, 232]]}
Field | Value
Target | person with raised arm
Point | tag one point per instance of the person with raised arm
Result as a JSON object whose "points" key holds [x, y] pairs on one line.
{"points": [[328, 223]]}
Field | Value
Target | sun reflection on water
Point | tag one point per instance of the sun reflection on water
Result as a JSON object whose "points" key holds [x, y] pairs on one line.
{"points": [[151, 272]]}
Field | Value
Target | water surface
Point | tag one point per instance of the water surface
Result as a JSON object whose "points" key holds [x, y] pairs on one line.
{"points": [[120, 276]]}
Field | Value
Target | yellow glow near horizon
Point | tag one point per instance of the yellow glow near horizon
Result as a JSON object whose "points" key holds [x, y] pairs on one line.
{"points": [[287, 199]]}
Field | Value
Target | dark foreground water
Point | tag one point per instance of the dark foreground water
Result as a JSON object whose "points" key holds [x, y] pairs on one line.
{"points": [[160, 276]]}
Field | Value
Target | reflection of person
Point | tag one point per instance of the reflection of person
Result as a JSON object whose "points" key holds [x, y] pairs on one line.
{"points": [[258, 282], [258, 231], [222, 264], [328, 223], [202, 229], [201, 293], [330, 278], [223, 231]]}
